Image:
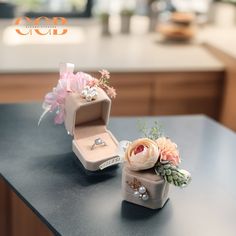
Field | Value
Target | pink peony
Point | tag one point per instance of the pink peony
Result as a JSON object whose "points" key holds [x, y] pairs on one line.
{"points": [[168, 151]]}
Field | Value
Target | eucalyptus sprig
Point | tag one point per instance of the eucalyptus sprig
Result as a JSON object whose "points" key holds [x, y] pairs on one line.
{"points": [[153, 133]]}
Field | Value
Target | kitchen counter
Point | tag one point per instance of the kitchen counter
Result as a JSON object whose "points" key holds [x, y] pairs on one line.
{"points": [[222, 44], [84, 46], [221, 39], [163, 78], [43, 173]]}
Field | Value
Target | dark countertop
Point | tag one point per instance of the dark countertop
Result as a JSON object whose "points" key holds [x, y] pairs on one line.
{"points": [[38, 163]]}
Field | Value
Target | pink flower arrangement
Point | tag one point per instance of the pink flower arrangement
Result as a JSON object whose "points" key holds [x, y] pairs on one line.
{"points": [[168, 151], [75, 83], [111, 92], [144, 153], [105, 74], [103, 83], [155, 152]]}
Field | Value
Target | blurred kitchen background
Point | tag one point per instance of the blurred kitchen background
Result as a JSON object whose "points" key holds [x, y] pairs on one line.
{"points": [[166, 57]]}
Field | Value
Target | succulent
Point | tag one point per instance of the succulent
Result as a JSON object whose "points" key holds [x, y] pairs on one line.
{"points": [[173, 174]]}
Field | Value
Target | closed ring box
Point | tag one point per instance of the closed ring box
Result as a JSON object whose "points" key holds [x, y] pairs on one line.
{"points": [[157, 188], [87, 121]]}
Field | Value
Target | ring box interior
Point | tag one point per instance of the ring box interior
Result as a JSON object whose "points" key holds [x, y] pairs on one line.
{"points": [[87, 121], [157, 187]]}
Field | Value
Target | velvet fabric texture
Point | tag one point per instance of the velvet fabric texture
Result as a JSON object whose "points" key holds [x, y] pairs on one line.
{"points": [[157, 188], [87, 121]]}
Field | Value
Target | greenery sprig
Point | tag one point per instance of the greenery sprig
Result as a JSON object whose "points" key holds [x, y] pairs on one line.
{"points": [[153, 133]]}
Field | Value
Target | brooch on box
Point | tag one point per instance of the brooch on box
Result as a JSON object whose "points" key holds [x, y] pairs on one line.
{"points": [[151, 164], [83, 104]]}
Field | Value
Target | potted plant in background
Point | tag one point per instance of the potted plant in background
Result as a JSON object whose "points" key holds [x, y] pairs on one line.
{"points": [[126, 15], [153, 15], [104, 16]]}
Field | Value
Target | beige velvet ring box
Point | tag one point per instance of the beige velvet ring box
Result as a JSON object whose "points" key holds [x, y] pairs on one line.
{"points": [[87, 121], [144, 188]]}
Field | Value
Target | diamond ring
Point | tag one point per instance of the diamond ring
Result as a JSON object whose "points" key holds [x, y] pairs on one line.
{"points": [[98, 142]]}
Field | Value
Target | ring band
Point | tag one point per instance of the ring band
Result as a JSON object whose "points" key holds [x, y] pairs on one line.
{"points": [[98, 142]]}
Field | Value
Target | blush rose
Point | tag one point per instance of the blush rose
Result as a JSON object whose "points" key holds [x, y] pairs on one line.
{"points": [[142, 154]]}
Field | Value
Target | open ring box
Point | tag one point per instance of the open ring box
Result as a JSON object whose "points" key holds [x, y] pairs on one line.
{"points": [[87, 121]]}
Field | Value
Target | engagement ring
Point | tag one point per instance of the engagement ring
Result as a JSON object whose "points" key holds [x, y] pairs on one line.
{"points": [[98, 142]]}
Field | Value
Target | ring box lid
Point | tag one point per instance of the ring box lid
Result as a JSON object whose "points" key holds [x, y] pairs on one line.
{"points": [[81, 113]]}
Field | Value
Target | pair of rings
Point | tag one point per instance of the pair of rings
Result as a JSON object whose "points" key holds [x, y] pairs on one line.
{"points": [[98, 142]]}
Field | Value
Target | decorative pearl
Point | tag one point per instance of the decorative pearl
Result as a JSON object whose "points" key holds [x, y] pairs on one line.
{"points": [[84, 93], [94, 95], [145, 197], [89, 93], [136, 194], [93, 89], [89, 98], [142, 189]]}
